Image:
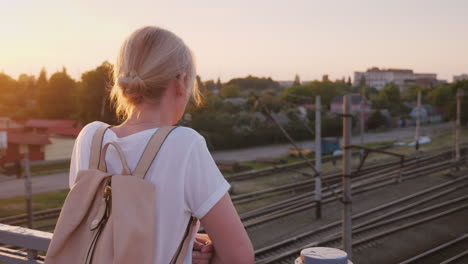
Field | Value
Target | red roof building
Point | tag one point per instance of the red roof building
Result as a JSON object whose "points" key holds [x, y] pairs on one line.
{"points": [[35, 134], [64, 131], [53, 126], [46, 123], [35, 143]]}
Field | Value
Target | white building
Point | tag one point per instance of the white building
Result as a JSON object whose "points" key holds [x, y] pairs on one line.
{"points": [[379, 78], [460, 77]]}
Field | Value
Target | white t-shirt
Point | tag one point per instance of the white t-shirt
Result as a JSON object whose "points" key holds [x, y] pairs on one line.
{"points": [[187, 180]]}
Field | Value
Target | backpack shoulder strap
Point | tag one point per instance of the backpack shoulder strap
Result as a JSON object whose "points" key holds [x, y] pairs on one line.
{"points": [[151, 150], [181, 251], [96, 145]]}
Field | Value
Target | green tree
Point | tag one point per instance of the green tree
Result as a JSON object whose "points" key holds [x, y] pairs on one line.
{"points": [[411, 94], [56, 100], [230, 90], [297, 80], [390, 93], [210, 85], [440, 96], [305, 94], [376, 120], [93, 94], [463, 86], [42, 87], [389, 98], [25, 95], [8, 96], [256, 83]]}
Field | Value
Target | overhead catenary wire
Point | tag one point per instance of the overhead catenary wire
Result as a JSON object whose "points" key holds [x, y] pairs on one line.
{"points": [[286, 134]]}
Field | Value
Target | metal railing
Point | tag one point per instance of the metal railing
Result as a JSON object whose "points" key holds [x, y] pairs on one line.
{"points": [[22, 244]]}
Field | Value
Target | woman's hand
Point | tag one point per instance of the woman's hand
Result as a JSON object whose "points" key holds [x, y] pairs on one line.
{"points": [[230, 240], [203, 249]]}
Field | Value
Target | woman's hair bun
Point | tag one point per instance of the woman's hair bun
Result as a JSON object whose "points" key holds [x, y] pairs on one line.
{"points": [[149, 59], [133, 86]]}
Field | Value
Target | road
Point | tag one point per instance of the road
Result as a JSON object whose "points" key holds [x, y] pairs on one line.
{"points": [[11, 187], [281, 149], [59, 181]]}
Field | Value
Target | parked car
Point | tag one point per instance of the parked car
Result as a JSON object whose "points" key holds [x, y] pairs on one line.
{"points": [[293, 152]]}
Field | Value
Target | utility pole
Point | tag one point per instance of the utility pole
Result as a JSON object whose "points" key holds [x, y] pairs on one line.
{"points": [[27, 184], [347, 225], [361, 108], [318, 157], [418, 120], [457, 126]]}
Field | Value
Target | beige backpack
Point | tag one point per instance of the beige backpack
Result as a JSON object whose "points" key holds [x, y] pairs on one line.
{"points": [[109, 218]]}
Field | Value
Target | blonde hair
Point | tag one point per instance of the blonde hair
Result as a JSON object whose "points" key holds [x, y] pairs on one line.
{"points": [[149, 59]]}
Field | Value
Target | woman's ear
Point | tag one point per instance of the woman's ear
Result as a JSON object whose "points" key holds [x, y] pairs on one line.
{"points": [[180, 84]]}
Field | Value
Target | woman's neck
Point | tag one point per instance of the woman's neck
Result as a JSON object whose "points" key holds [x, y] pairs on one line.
{"points": [[148, 115]]}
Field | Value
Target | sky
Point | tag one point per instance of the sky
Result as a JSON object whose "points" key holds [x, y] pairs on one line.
{"points": [[235, 38]]}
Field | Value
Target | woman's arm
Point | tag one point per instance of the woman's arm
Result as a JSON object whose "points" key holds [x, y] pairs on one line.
{"points": [[230, 240]]}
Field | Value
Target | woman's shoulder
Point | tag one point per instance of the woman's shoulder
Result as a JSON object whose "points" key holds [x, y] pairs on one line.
{"points": [[86, 134], [181, 135], [90, 128], [186, 135]]}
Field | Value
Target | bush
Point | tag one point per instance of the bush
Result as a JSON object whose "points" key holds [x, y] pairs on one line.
{"points": [[376, 120]]}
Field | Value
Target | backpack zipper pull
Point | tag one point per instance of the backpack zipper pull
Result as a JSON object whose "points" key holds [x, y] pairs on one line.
{"points": [[103, 211]]}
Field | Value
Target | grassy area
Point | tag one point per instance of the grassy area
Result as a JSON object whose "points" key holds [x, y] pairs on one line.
{"points": [[256, 165], [17, 205], [47, 169], [262, 165], [39, 170]]}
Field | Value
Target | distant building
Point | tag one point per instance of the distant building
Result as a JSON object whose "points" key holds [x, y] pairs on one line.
{"points": [[425, 80], [379, 78], [35, 143], [11, 124], [52, 126], [460, 77], [336, 105], [428, 114], [47, 139]]}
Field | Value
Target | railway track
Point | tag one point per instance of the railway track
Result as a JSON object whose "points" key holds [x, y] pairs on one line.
{"points": [[305, 201], [373, 224], [37, 216], [454, 251], [411, 162], [369, 177]]}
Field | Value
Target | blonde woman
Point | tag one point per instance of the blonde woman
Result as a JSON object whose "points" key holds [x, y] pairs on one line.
{"points": [[154, 80]]}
